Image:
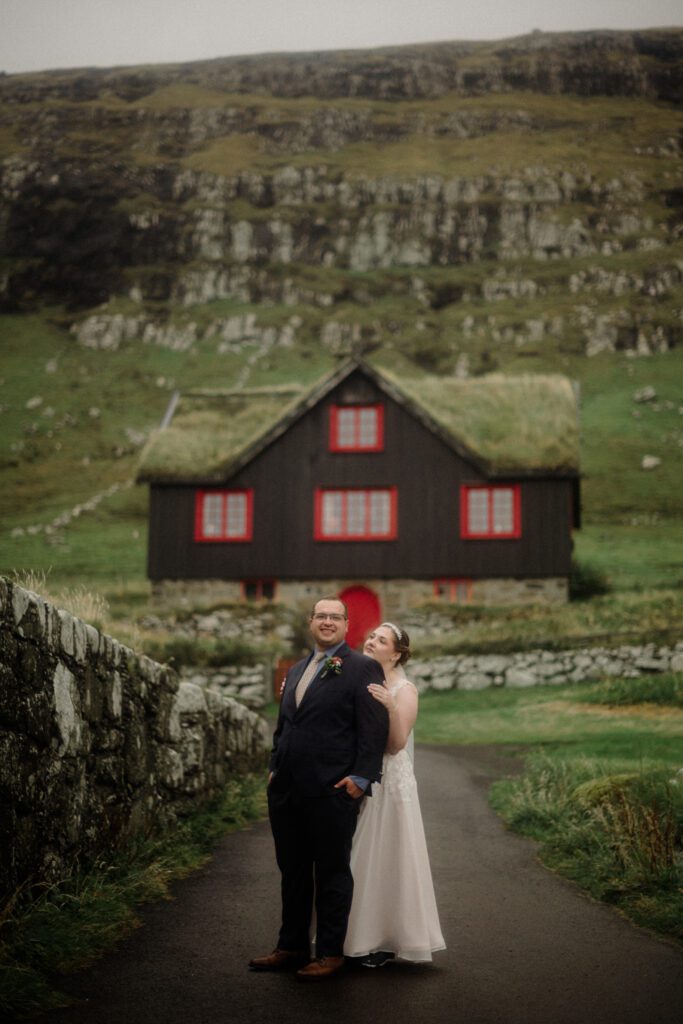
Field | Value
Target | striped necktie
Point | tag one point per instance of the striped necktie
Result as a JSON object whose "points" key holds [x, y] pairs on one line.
{"points": [[307, 676]]}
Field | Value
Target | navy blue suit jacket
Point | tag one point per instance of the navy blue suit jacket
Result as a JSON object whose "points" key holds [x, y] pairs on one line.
{"points": [[338, 729]]}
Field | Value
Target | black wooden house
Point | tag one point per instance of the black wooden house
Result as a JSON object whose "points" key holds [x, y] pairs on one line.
{"points": [[387, 491]]}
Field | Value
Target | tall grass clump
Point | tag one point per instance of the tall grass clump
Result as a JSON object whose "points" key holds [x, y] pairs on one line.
{"points": [[186, 651], [665, 689], [617, 835], [80, 601], [61, 928]]}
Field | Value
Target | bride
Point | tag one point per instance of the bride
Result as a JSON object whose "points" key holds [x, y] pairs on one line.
{"points": [[393, 913]]}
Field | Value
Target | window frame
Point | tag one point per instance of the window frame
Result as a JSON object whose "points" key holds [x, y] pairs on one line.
{"points": [[204, 492], [336, 446], [453, 582], [259, 584], [466, 533], [364, 538]]}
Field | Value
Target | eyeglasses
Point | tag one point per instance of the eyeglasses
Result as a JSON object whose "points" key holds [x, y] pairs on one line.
{"points": [[320, 617]]}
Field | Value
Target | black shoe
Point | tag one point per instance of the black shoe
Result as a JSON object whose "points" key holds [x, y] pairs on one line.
{"points": [[378, 959]]}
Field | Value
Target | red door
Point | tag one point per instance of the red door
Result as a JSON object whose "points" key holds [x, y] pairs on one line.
{"points": [[364, 613]]}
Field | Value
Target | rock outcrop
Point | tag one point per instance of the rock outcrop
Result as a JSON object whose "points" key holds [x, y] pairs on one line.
{"points": [[448, 179]]}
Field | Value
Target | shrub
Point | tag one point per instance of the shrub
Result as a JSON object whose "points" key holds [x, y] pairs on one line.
{"points": [[586, 581]]}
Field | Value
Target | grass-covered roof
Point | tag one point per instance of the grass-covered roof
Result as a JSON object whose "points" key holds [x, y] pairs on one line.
{"points": [[526, 424]]}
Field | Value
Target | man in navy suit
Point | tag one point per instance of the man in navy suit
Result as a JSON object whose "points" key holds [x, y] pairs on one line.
{"points": [[327, 751]]}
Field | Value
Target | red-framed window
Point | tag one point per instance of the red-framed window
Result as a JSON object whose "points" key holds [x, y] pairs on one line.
{"points": [[356, 514], [357, 428], [224, 515], [490, 512], [455, 591], [258, 590]]}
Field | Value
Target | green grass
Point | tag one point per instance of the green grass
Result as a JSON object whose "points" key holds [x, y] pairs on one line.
{"points": [[549, 715], [665, 690], [55, 931], [623, 616], [600, 791], [602, 132], [613, 826]]}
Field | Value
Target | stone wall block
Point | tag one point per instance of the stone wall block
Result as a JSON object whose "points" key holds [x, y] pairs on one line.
{"points": [[67, 710], [113, 696], [169, 766], [66, 634], [80, 642], [93, 695], [474, 681], [93, 638], [20, 602], [650, 663], [135, 753], [190, 700], [32, 624], [519, 677], [53, 627], [108, 654], [676, 664]]}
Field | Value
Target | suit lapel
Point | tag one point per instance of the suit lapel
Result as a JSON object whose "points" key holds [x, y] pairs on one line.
{"points": [[318, 679]]}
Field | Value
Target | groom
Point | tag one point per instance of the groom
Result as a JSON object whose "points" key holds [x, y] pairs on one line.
{"points": [[327, 750]]}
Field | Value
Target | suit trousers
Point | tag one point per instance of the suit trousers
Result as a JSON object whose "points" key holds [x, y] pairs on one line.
{"points": [[313, 837]]}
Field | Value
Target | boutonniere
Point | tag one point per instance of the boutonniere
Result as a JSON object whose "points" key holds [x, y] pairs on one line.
{"points": [[332, 665]]}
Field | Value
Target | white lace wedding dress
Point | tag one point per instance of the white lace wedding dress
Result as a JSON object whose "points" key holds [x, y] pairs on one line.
{"points": [[394, 908]]}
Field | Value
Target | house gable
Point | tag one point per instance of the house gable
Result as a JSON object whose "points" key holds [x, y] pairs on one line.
{"points": [[422, 466]]}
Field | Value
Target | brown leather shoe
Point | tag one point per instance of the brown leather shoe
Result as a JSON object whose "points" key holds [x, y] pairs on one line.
{"points": [[280, 960], [321, 968]]}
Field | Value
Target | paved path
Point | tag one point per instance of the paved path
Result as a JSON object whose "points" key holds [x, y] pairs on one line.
{"points": [[523, 946]]}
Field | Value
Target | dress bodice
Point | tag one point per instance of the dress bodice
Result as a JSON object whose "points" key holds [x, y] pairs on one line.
{"points": [[397, 771]]}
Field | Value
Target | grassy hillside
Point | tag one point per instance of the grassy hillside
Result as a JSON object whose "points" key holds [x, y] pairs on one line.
{"points": [[250, 221]]}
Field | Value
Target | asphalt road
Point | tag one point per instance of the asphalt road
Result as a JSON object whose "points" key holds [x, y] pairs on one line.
{"points": [[524, 947]]}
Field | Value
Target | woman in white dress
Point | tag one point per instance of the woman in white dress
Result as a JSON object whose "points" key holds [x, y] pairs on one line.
{"points": [[394, 912]]}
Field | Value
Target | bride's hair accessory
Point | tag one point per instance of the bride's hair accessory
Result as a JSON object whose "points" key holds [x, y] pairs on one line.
{"points": [[402, 643]]}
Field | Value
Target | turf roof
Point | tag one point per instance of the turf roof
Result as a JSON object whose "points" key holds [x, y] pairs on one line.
{"points": [[526, 424]]}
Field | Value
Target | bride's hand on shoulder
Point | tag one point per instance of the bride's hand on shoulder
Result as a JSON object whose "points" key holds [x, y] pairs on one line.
{"points": [[381, 694]]}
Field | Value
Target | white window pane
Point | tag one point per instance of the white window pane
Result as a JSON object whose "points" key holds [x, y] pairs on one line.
{"points": [[236, 523], [355, 512], [503, 510], [380, 513], [346, 428], [478, 511], [367, 428], [212, 515], [333, 509]]}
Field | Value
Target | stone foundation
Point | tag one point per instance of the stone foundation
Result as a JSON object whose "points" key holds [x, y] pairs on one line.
{"points": [[98, 743], [396, 596]]}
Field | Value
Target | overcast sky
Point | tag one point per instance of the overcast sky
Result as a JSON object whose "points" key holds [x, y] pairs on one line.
{"points": [[40, 34]]}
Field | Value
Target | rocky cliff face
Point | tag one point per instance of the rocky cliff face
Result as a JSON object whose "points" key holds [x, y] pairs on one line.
{"points": [[469, 188]]}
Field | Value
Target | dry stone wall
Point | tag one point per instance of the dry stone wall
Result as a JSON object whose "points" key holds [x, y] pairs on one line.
{"points": [[538, 667], [98, 743]]}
